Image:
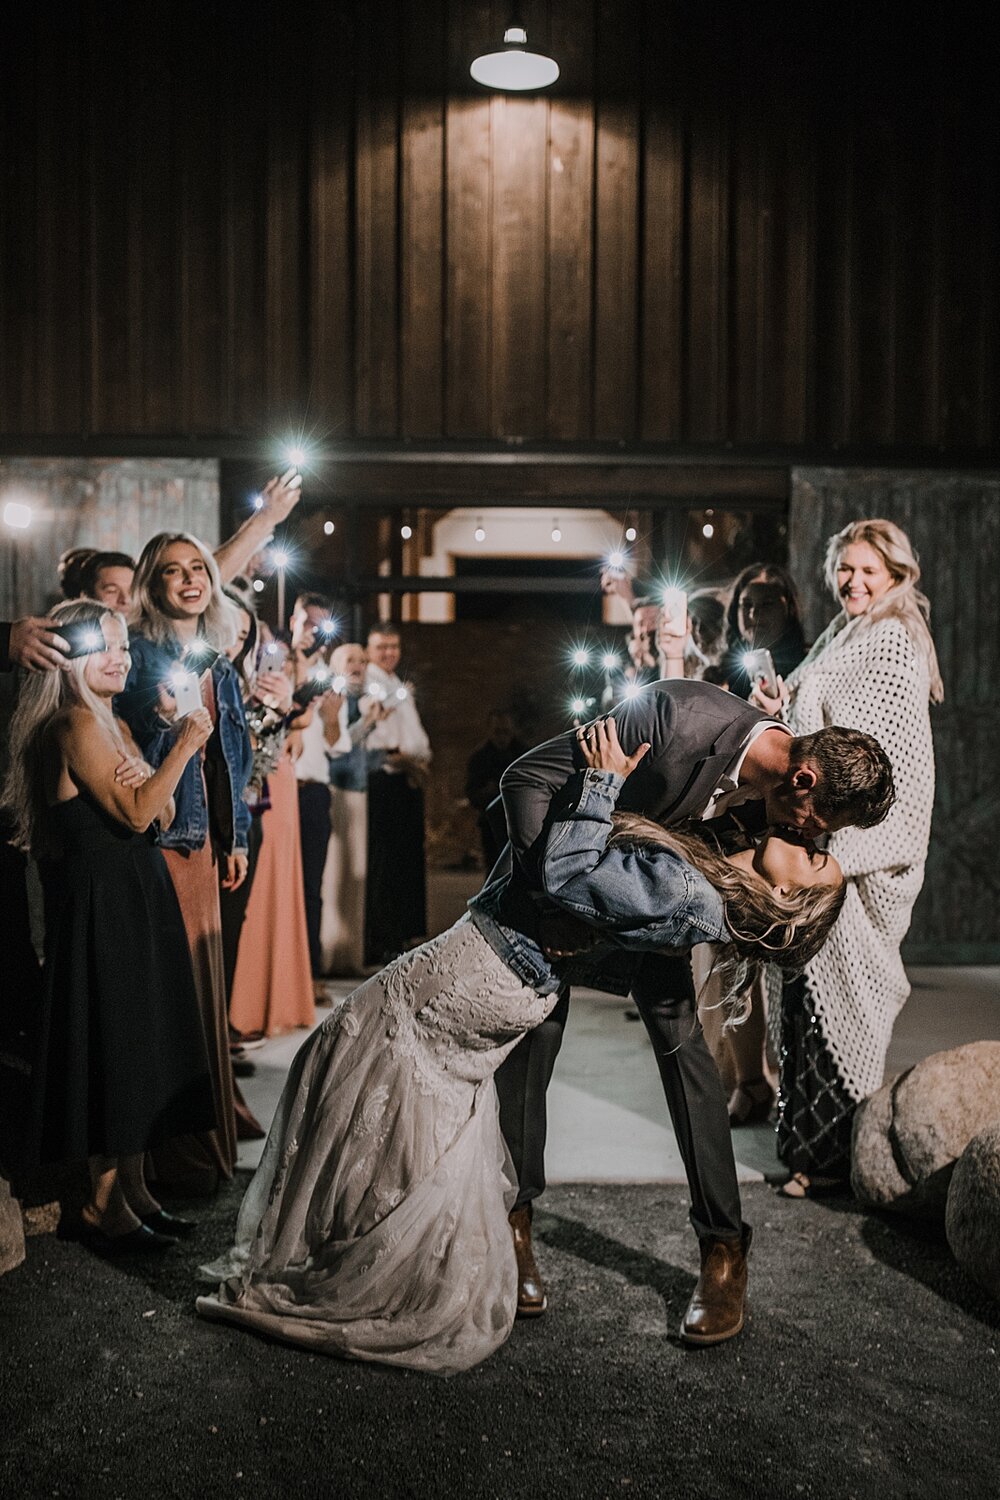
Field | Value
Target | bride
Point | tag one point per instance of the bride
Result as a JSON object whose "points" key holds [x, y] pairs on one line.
{"points": [[376, 1225]]}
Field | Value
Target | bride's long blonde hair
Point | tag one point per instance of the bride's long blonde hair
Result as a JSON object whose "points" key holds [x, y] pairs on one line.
{"points": [[765, 928], [41, 697], [903, 600]]}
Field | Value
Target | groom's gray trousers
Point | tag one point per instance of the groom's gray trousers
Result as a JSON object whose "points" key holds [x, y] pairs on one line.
{"points": [[664, 995]]}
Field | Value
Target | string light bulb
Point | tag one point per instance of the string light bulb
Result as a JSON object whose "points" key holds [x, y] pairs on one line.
{"points": [[480, 531], [630, 533], [406, 532], [556, 533], [328, 528]]}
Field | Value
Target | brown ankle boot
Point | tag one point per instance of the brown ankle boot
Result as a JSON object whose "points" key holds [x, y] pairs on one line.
{"points": [[530, 1287], [718, 1304]]}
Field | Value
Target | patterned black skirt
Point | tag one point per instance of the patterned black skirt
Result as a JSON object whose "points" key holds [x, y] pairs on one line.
{"points": [[815, 1112]]}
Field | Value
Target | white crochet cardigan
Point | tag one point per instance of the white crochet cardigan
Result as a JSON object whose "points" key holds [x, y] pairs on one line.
{"points": [[870, 675]]}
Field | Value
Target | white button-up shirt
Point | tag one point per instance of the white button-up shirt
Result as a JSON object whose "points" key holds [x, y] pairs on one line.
{"points": [[728, 793]]}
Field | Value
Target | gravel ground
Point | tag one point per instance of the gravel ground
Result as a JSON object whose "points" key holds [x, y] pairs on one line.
{"points": [[869, 1367]]}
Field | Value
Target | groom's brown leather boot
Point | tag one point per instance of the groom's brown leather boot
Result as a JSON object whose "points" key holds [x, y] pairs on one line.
{"points": [[530, 1287], [718, 1304]]}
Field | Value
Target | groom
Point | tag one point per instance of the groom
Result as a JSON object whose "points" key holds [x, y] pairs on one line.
{"points": [[710, 751]]}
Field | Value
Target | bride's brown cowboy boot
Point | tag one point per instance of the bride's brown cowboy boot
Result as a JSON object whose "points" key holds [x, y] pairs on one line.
{"points": [[530, 1287], [718, 1304]]}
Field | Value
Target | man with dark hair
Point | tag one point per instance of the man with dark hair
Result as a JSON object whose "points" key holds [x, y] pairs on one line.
{"points": [[854, 788], [69, 570], [107, 577], [710, 752]]}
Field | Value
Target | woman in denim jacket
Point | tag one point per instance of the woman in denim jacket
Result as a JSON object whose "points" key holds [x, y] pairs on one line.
{"points": [[376, 1225], [182, 626]]}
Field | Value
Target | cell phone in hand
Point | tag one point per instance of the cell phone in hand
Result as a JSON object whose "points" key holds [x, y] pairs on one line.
{"points": [[313, 687], [759, 665], [675, 603], [83, 637], [186, 691]]}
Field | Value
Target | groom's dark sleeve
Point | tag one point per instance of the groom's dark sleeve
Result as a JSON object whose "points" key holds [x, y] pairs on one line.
{"points": [[530, 784]]}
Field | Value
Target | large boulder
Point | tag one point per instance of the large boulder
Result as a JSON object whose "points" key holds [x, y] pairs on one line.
{"points": [[908, 1135], [972, 1217], [11, 1230]]}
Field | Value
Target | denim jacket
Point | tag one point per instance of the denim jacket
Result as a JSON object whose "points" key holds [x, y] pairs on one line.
{"points": [[226, 773], [641, 899]]}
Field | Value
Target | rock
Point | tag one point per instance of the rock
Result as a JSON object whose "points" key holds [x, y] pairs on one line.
{"points": [[41, 1218], [908, 1135], [11, 1230], [972, 1218]]}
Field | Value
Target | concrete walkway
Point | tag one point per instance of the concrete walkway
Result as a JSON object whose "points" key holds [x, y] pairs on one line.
{"points": [[607, 1117]]}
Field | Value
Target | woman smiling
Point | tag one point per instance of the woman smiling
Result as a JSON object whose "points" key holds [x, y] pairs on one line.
{"points": [[182, 627], [873, 668]]}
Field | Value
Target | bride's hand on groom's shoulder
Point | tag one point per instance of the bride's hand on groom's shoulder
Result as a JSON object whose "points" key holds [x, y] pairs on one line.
{"points": [[602, 751]]}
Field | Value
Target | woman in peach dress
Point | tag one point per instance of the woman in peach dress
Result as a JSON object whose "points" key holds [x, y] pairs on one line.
{"points": [[272, 989]]}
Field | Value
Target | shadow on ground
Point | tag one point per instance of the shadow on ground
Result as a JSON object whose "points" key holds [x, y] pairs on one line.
{"points": [[868, 1368]]}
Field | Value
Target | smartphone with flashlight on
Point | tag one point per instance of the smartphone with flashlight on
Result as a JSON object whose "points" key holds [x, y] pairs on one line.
{"points": [[186, 691], [83, 637], [313, 687], [326, 632], [759, 665]]}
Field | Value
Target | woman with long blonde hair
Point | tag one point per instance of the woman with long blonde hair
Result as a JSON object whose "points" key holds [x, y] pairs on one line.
{"points": [[874, 668], [120, 1064], [182, 625]]}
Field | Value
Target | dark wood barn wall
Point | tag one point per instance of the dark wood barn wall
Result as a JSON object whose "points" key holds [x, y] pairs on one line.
{"points": [[747, 225]]}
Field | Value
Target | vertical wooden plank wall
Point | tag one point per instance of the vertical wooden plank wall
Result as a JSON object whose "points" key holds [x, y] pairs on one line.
{"points": [[726, 225], [953, 521]]}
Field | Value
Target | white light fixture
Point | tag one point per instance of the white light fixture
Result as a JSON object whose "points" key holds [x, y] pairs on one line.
{"points": [[16, 515], [480, 531], [630, 533], [708, 530], [556, 533], [515, 70], [258, 585], [257, 501], [581, 657], [328, 528], [406, 532], [609, 661]]}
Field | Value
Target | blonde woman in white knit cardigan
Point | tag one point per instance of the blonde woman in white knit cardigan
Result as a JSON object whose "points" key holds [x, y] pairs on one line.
{"points": [[874, 668]]}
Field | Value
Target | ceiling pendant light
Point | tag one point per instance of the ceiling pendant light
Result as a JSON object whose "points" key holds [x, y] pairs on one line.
{"points": [[515, 69]]}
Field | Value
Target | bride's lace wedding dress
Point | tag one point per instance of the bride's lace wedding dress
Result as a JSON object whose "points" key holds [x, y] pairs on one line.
{"points": [[376, 1225]]}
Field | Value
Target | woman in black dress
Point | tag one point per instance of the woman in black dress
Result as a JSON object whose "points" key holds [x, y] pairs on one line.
{"points": [[121, 1063]]}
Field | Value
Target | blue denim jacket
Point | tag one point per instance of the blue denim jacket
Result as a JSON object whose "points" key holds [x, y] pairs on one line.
{"points": [[642, 899], [137, 705]]}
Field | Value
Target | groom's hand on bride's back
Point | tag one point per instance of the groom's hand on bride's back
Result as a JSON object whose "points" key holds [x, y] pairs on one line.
{"points": [[563, 936]]}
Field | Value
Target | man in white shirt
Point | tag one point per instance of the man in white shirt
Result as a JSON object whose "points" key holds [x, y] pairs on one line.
{"points": [[396, 909]]}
